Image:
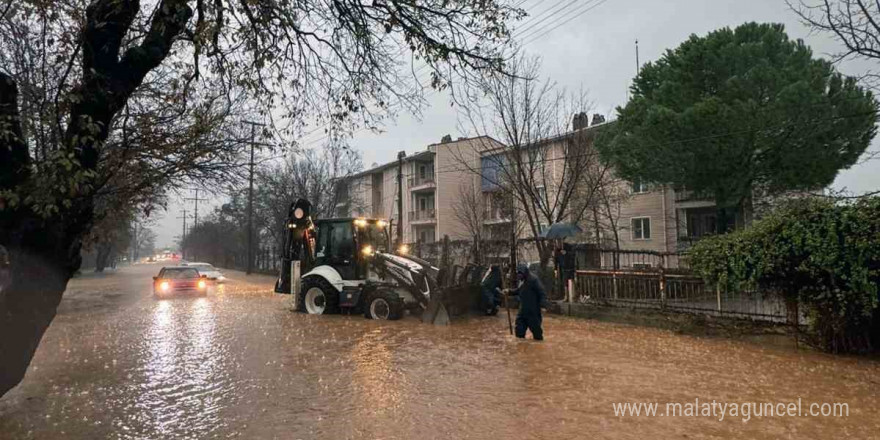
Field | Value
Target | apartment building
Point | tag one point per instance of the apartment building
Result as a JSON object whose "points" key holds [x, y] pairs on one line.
{"points": [[433, 181], [642, 217], [639, 216]]}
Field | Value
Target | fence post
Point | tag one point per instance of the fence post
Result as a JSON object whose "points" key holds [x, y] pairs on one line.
{"points": [[662, 287], [570, 294], [614, 282], [718, 296]]}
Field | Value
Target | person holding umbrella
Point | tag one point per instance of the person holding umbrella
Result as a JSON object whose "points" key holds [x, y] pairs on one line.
{"points": [[562, 256], [532, 298]]}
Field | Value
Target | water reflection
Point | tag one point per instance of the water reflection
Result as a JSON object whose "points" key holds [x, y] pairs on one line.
{"points": [[377, 385], [183, 384]]}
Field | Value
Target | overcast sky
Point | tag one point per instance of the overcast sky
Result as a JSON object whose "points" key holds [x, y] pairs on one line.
{"points": [[594, 50]]}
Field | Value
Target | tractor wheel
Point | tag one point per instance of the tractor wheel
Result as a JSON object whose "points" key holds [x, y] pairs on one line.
{"points": [[383, 304], [318, 297]]}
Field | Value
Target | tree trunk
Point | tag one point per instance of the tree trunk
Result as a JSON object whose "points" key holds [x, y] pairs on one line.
{"points": [[103, 256], [43, 256], [44, 252]]}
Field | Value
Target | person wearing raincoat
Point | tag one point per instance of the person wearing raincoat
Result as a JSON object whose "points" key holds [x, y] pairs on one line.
{"points": [[531, 299], [489, 300]]}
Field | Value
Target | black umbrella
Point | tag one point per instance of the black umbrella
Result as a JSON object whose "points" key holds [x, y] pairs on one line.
{"points": [[562, 230]]}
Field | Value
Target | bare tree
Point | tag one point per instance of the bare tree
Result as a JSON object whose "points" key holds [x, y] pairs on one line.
{"points": [[856, 25], [545, 163], [470, 210], [334, 61]]}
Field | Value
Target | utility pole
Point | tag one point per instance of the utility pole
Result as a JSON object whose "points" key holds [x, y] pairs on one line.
{"points": [[250, 219], [400, 156], [183, 237], [196, 199]]}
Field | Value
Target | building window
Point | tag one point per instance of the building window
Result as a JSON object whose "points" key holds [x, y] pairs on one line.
{"points": [[423, 171], [542, 197], [639, 187], [641, 228], [426, 235], [491, 172]]}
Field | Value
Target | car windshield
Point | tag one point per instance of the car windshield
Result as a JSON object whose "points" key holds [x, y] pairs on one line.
{"points": [[182, 273]]}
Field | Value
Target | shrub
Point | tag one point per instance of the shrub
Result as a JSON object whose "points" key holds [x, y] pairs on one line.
{"points": [[822, 255]]}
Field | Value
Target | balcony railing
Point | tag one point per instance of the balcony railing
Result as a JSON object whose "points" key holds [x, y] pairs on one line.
{"points": [[684, 195], [422, 215], [497, 216], [419, 180]]}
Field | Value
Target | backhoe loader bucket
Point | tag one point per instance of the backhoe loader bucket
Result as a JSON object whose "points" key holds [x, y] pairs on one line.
{"points": [[435, 313], [450, 303]]}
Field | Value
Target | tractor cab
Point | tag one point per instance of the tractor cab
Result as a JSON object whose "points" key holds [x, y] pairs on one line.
{"points": [[346, 244]]}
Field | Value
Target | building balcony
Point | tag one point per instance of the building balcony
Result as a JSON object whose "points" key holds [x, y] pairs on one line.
{"points": [[426, 216], [421, 184], [498, 219], [684, 195]]}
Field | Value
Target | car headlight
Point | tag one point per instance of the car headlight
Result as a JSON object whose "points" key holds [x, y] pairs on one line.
{"points": [[202, 284], [164, 286]]}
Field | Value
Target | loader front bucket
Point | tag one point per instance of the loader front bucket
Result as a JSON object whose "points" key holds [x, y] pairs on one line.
{"points": [[435, 313], [450, 303]]}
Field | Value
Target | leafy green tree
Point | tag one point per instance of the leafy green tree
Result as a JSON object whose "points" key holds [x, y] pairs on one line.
{"points": [[741, 113]]}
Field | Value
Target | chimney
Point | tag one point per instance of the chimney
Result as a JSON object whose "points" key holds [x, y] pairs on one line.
{"points": [[597, 119], [580, 120], [446, 139]]}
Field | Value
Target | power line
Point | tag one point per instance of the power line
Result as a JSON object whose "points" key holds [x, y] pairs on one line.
{"points": [[196, 199], [536, 37], [532, 26]]}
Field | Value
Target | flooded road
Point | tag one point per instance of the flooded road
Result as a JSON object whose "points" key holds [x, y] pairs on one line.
{"points": [[117, 363]]}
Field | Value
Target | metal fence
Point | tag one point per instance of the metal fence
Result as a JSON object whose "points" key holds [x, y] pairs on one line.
{"points": [[592, 257], [674, 291]]}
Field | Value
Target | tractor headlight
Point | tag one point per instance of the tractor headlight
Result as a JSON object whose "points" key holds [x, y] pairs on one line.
{"points": [[367, 250], [298, 213], [403, 249], [361, 223], [381, 223]]}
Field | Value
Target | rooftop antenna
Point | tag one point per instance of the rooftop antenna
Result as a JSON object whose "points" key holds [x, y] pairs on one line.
{"points": [[638, 65]]}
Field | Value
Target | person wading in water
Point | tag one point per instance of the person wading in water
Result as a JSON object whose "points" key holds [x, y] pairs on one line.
{"points": [[531, 299]]}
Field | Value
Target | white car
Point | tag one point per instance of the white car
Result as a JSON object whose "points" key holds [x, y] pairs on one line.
{"points": [[211, 272]]}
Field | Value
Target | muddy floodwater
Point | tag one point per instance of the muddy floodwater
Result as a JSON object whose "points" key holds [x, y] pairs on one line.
{"points": [[117, 363]]}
